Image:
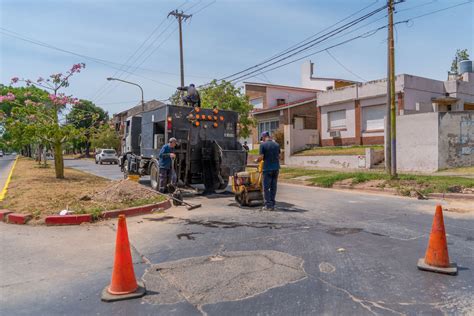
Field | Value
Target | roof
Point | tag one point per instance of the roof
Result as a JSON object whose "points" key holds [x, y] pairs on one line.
{"points": [[277, 86], [149, 105], [284, 106], [333, 79]]}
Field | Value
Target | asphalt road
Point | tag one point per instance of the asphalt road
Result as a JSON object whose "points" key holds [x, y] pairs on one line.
{"points": [[6, 162], [108, 171], [323, 252]]}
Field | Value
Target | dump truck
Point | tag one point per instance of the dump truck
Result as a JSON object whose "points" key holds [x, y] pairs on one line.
{"points": [[208, 150]]}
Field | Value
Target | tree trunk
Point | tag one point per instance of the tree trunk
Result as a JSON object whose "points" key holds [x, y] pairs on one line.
{"points": [[38, 155], [58, 160], [45, 161], [88, 148]]}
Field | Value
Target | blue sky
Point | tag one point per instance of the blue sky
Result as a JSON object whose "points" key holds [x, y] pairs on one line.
{"points": [[225, 37]]}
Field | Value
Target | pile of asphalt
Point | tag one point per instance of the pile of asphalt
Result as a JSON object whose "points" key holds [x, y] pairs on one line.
{"points": [[123, 191]]}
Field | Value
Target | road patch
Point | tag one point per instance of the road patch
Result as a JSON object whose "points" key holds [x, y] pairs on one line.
{"points": [[235, 276]]}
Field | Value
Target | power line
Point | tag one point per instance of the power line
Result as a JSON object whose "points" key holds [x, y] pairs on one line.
{"points": [[364, 35], [323, 30], [39, 43], [103, 88], [204, 7], [340, 64], [314, 43], [100, 61], [132, 72], [169, 35], [440, 10], [302, 47]]}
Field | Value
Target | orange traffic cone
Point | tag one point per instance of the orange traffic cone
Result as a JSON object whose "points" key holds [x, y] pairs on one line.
{"points": [[123, 285], [436, 258]]}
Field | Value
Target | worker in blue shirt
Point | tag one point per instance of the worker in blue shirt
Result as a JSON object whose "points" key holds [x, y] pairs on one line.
{"points": [[269, 152], [165, 156]]}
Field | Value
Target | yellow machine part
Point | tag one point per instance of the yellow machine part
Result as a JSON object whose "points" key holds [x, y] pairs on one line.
{"points": [[250, 193]]}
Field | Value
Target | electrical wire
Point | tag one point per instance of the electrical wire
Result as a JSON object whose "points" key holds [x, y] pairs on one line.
{"points": [[323, 30], [305, 46], [365, 35], [314, 43], [204, 7], [158, 46], [342, 65], [103, 88], [97, 60]]}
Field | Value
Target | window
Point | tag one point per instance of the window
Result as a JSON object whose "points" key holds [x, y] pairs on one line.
{"points": [[373, 117], [269, 126], [257, 103], [337, 120]]}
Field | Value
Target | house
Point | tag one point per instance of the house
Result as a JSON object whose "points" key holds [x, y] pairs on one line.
{"points": [[355, 114], [276, 105]]}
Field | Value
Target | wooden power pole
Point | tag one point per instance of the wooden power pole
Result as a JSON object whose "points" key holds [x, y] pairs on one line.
{"points": [[393, 112], [391, 115], [180, 16]]}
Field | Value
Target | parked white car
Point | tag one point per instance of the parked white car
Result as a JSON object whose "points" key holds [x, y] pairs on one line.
{"points": [[106, 155]]}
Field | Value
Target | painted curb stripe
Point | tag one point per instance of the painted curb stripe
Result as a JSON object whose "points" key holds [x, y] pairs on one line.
{"points": [[4, 190]]}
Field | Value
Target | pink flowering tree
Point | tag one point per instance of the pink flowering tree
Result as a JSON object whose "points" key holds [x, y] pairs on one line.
{"points": [[38, 119]]}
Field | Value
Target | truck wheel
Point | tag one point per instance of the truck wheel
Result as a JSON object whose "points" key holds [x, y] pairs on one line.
{"points": [[125, 169], [154, 177]]}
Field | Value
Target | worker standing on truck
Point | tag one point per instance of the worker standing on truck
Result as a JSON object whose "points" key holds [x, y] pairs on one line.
{"points": [[270, 154], [165, 156], [192, 98]]}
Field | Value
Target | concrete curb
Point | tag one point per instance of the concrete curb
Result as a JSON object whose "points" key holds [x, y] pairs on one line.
{"points": [[451, 196], [139, 210], [57, 220], [392, 191], [3, 214], [16, 218]]}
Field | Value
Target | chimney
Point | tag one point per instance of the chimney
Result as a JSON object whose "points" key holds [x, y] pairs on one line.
{"points": [[307, 71]]}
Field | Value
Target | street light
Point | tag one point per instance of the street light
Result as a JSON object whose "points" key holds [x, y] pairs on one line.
{"points": [[132, 83]]}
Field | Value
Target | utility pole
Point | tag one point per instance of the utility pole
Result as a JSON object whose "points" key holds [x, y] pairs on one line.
{"points": [[390, 120], [180, 16], [393, 113]]}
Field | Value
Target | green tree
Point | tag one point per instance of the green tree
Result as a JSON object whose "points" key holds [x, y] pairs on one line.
{"points": [[86, 116], [461, 54], [105, 137], [42, 118], [12, 103]]}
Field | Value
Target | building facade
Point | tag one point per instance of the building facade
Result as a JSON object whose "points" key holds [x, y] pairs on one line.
{"points": [[355, 115], [277, 105]]}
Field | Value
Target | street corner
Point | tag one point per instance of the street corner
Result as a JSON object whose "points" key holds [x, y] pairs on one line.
{"points": [[228, 276]]}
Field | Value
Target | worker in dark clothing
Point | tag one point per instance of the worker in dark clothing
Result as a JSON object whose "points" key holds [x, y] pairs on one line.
{"points": [[192, 98], [245, 146], [270, 154], [165, 156]]}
